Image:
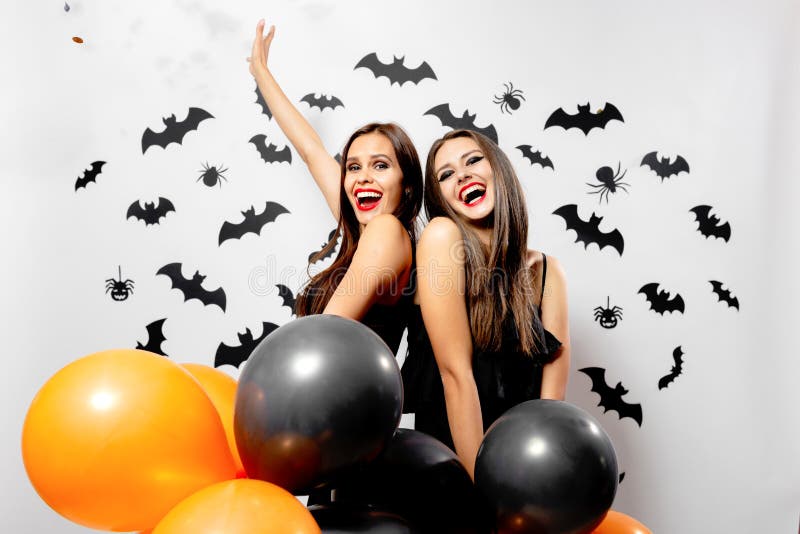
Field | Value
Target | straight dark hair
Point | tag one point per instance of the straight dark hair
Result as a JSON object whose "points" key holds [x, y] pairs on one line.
{"points": [[498, 280], [315, 296]]}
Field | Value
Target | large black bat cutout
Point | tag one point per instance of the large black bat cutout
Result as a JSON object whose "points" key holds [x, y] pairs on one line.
{"points": [[155, 337], [535, 157], [90, 175], [584, 120], [466, 121], [270, 153], [660, 301], [589, 231], [150, 214], [328, 254], [663, 167], [288, 297], [174, 131], [611, 398], [236, 355], [263, 103], [253, 222], [724, 295], [675, 372], [708, 224], [396, 71], [322, 102], [192, 288]]}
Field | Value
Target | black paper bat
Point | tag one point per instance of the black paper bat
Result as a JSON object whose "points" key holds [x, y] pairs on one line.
{"points": [[709, 224], [611, 398], [675, 372], [328, 254], [288, 297], [322, 102], [89, 175], [660, 301], [252, 223], [174, 131], [466, 121], [663, 167], [584, 120], [589, 231], [150, 214], [535, 157], [724, 295], [263, 103], [155, 337], [396, 71], [230, 355], [270, 153], [192, 288], [338, 158]]}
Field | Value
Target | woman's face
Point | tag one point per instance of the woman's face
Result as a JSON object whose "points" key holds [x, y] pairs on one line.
{"points": [[373, 180], [466, 180]]}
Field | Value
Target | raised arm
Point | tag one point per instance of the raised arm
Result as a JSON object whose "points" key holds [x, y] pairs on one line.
{"points": [[441, 279], [306, 142], [379, 270], [555, 319]]}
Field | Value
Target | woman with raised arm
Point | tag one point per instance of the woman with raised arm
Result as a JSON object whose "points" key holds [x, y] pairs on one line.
{"points": [[491, 327], [375, 195]]}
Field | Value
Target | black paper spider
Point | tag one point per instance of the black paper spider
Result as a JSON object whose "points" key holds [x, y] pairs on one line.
{"points": [[120, 290], [608, 316], [509, 99], [609, 182], [211, 176]]}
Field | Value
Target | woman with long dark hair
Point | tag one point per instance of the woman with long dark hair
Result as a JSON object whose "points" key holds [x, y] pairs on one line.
{"points": [[375, 195], [491, 329]]}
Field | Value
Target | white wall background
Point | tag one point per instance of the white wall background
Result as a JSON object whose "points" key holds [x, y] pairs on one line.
{"points": [[716, 82]]}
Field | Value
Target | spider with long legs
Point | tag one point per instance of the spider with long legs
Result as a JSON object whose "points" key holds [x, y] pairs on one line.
{"points": [[609, 180], [120, 289], [212, 176], [509, 99]]}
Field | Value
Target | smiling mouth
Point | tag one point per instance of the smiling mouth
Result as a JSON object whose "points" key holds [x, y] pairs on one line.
{"points": [[368, 199], [472, 194]]}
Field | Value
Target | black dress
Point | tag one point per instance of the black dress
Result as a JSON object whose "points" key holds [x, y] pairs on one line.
{"points": [[504, 378]]}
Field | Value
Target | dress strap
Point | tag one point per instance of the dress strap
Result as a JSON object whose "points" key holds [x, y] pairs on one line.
{"points": [[544, 276]]}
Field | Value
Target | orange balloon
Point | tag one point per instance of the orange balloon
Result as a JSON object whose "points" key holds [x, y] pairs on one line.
{"points": [[221, 389], [116, 439], [241, 506], [619, 523]]}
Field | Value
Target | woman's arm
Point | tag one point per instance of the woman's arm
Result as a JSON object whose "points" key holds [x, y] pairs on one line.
{"points": [[380, 267], [440, 269], [555, 318], [306, 142]]}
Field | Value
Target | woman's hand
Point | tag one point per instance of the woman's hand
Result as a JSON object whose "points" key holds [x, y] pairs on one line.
{"points": [[260, 53]]}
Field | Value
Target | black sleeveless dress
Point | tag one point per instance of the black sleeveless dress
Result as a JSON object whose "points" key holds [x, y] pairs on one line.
{"points": [[504, 378]]}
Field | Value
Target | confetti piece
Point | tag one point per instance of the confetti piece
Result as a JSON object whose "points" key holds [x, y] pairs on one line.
{"points": [[77, 40], [66, 6]]}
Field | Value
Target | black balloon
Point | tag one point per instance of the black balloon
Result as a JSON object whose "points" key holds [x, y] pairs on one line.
{"points": [[547, 466], [317, 396], [420, 479], [337, 518]]}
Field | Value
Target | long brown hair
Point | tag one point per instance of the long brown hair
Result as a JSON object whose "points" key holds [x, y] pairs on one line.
{"points": [[498, 280], [320, 288]]}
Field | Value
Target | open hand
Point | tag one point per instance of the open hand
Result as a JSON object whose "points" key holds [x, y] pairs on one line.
{"points": [[260, 53]]}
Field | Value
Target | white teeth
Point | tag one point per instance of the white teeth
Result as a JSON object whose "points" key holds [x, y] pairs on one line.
{"points": [[469, 190], [368, 194]]}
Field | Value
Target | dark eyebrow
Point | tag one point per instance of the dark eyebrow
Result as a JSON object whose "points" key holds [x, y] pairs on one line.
{"points": [[373, 156], [463, 156]]}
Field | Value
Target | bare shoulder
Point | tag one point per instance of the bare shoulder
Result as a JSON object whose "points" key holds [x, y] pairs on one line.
{"points": [[386, 228], [555, 269], [439, 232]]}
